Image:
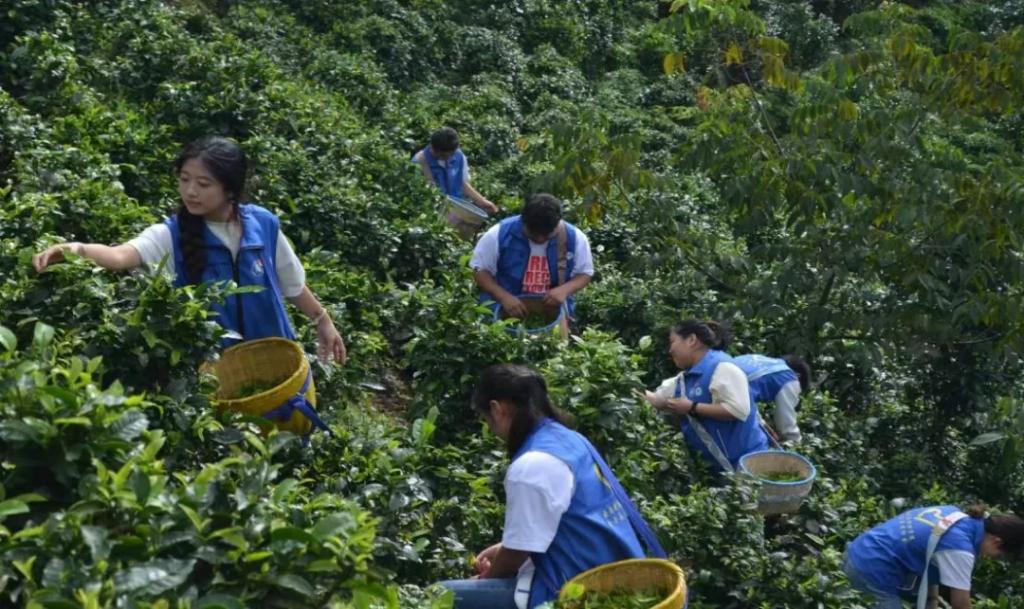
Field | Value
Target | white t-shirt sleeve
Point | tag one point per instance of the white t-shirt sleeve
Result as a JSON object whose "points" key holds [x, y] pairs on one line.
{"points": [[584, 264], [538, 490], [153, 244], [730, 389], [667, 388], [290, 274], [485, 254], [955, 567], [465, 169]]}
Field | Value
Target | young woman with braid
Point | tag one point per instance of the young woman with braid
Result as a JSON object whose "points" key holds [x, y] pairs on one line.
{"points": [[719, 417], [214, 236]]}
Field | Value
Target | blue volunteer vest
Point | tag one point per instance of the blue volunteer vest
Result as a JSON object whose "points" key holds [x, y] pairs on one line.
{"points": [[253, 315], [891, 555], [595, 530], [735, 438], [766, 375], [514, 256], [450, 176]]}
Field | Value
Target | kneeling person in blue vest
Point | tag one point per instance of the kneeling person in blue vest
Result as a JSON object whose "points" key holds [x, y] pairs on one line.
{"points": [[565, 510], [719, 416], [445, 165], [779, 381], [214, 237], [889, 561], [535, 252]]}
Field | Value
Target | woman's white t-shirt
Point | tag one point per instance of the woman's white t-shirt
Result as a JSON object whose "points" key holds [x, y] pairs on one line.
{"points": [[538, 489], [154, 243], [729, 387]]}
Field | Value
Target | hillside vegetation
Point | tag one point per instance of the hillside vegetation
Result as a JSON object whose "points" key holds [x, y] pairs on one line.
{"points": [[839, 179]]}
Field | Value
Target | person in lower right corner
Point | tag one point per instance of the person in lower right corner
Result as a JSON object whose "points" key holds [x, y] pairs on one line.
{"points": [[888, 561], [780, 381]]}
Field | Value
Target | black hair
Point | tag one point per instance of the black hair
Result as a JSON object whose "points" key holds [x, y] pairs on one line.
{"points": [[714, 335], [522, 387], [542, 213], [444, 139], [226, 161], [1007, 527], [802, 369]]}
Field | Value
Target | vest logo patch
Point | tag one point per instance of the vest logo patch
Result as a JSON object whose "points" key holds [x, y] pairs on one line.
{"points": [[697, 391], [257, 267]]}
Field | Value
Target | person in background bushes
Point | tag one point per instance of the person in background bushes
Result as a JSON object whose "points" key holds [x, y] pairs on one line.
{"points": [[214, 237], [911, 555], [780, 381], [565, 511], [444, 165]]}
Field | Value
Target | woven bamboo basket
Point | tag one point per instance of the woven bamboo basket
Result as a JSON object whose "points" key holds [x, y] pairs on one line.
{"points": [[637, 574], [534, 303], [262, 360], [779, 497]]}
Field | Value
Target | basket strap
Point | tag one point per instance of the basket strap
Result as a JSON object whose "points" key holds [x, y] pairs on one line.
{"points": [[702, 433], [562, 236], [938, 530], [300, 403], [640, 527]]}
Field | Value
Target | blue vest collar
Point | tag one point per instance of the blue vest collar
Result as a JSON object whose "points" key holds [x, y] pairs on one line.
{"points": [[252, 237], [979, 534], [706, 363], [537, 427]]}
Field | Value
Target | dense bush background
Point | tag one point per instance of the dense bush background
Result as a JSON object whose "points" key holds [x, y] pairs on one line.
{"points": [[837, 179]]}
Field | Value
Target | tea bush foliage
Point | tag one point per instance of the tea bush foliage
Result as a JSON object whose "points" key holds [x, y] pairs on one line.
{"points": [[836, 179]]}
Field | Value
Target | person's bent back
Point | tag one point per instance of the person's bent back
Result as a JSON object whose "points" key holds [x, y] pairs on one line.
{"points": [[780, 381]]}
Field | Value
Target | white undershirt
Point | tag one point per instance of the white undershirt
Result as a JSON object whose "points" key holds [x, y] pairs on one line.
{"points": [[154, 243], [729, 388], [538, 489], [955, 567]]}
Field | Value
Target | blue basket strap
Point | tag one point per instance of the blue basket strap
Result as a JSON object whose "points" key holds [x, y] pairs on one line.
{"points": [[300, 403], [643, 531]]}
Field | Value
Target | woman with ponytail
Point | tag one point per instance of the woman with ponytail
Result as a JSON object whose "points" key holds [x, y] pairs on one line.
{"points": [[889, 561], [215, 236], [565, 510], [719, 419]]}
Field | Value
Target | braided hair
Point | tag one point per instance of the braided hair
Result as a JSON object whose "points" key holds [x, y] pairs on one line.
{"points": [[226, 161]]}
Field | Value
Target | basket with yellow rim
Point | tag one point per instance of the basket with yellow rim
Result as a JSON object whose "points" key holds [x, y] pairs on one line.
{"points": [[636, 574], [279, 369]]}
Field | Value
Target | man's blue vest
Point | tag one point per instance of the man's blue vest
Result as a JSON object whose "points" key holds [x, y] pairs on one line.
{"points": [[255, 314], [595, 530], [891, 555], [514, 256], [766, 375], [735, 438], [450, 176]]}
